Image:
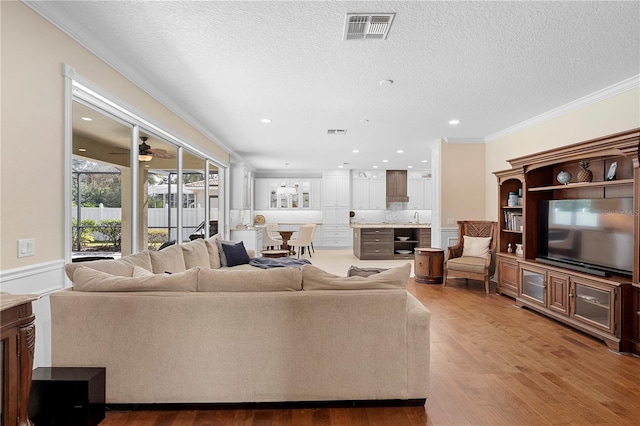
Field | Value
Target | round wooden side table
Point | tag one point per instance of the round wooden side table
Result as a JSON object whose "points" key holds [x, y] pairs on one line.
{"points": [[428, 265], [275, 253]]}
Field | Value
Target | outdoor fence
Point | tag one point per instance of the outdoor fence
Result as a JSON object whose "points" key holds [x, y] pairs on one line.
{"points": [[157, 218]]}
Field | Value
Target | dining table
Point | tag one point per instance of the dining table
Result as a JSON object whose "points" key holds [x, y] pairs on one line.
{"points": [[286, 236]]}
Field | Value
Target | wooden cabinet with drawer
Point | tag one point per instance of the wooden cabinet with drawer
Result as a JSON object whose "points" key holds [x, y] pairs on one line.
{"points": [[373, 243]]}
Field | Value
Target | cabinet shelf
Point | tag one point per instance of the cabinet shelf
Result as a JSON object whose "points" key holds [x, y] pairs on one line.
{"points": [[583, 185], [512, 231], [512, 207], [592, 303]]}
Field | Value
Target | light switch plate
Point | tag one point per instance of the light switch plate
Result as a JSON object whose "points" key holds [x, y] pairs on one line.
{"points": [[27, 247]]}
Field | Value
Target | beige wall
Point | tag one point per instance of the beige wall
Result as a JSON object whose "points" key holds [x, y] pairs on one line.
{"points": [[31, 173], [462, 186], [613, 115]]}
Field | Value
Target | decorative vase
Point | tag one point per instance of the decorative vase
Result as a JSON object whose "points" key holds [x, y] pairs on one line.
{"points": [[585, 175], [509, 249], [564, 177], [519, 250]]}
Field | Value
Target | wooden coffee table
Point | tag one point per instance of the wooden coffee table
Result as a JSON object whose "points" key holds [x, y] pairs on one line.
{"points": [[275, 253]]}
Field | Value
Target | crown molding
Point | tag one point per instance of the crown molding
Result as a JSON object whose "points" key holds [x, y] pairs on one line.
{"points": [[600, 95], [463, 140]]}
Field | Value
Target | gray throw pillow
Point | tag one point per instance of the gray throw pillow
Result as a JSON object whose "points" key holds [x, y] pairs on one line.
{"points": [[235, 254]]}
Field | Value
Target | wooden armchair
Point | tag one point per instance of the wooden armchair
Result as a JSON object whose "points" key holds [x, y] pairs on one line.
{"points": [[467, 264]]}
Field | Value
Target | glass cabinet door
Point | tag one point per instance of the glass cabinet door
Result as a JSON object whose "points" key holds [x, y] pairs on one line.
{"points": [[533, 285], [593, 305], [306, 195]]}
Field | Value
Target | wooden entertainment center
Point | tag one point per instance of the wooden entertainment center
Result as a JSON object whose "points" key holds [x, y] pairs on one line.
{"points": [[606, 307]]}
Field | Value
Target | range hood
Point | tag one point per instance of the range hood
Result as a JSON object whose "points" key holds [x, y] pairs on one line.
{"points": [[397, 186]]}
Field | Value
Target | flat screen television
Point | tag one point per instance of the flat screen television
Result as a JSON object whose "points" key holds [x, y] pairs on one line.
{"points": [[590, 235]]}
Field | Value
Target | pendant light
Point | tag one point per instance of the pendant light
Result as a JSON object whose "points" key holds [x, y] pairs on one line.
{"points": [[284, 189]]}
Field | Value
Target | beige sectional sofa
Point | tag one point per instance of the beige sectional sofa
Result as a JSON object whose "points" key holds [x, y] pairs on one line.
{"points": [[209, 334]]}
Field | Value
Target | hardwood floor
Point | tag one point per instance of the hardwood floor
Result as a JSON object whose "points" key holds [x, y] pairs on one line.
{"points": [[491, 364]]}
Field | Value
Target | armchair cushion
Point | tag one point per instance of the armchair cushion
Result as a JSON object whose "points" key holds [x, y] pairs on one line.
{"points": [[467, 264], [476, 246]]}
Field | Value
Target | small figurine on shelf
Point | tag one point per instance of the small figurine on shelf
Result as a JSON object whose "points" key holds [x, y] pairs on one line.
{"points": [[519, 250], [509, 249]]}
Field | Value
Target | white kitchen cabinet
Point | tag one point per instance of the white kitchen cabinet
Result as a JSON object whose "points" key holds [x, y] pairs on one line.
{"points": [[368, 193], [335, 190], [360, 189], [306, 198], [378, 194], [335, 227], [420, 193]]}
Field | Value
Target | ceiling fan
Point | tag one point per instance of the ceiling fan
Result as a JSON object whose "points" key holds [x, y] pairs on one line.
{"points": [[146, 153]]}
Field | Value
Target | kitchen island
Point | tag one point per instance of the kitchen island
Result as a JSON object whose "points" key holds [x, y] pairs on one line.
{"points": [[389, 241]]}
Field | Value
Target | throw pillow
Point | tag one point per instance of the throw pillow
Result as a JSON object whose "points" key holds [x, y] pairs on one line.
{"points": [[314, 278], [354, 271], [235, 254], [223, 257], [170, 259], [141, 272], [214, 252], [475, 246], [196, 254]]}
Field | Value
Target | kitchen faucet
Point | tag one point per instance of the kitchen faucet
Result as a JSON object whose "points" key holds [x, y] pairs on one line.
{"points": [[416, 216]]}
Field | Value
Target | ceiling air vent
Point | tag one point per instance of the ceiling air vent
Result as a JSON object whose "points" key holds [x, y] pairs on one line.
{"points": [[337, 131], [365, 26]]}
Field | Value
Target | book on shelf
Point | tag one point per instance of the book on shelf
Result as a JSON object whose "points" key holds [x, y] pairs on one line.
{"points": [[513, 221]]}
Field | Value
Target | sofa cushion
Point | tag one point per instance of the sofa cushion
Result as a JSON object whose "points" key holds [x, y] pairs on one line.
{"points": [[249, 280], [235, 254], [195, 254], [475, 246], [123, 266], [169, 259], [87, 279], [314, 278], [223, 257], [214, 253]]}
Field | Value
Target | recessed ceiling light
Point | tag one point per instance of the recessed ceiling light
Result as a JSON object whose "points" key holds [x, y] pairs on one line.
{"points": [[340, 166], [385, 161], [266, 120], [386, 82], [425, 161], [355, 151], [409, 167], [375, 167], [364, 121], [399, 151], [454, 121], [82, 149], [86, 118]]}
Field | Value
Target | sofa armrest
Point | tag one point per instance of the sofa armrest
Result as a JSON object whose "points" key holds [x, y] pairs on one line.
{"points": [[418, 348]]}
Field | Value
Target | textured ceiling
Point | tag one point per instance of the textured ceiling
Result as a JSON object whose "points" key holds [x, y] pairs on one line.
{"points": [[226, 65]]}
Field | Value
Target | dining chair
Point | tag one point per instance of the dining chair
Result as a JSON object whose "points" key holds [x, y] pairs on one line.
{"points": [[303, 240], [269, 241], [313, 233]]}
